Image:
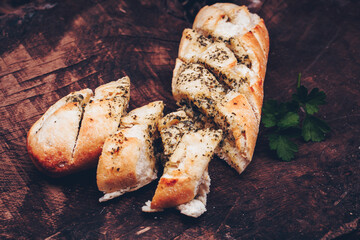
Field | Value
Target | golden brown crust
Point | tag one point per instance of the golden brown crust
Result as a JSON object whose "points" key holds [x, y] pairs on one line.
{"points": [[246, 126], [112, 174], [250, 43], [172, 192], [262, 35], [51, 139]]}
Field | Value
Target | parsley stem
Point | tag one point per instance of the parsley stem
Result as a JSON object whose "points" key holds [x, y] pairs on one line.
{"points": [[299, 81], [302, 109]]}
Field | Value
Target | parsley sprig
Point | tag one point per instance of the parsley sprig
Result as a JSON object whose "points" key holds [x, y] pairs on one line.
{"points": [[295, 119]]}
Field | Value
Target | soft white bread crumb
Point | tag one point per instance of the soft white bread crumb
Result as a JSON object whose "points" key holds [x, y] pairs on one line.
{"points": [[194, 208], [225, 20], [197, 206], [147, 208]]}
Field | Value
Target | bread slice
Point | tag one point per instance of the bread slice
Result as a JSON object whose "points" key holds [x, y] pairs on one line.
{"points": [[227, 149], [127, 161], [195, 207], [195, 86], [185, 181], [185, 177], [51, 140], [225, 20], [101, 118]]}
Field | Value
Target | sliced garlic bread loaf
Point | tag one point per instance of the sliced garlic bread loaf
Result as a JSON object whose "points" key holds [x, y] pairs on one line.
{"points": [[220, 73], [245, 34]]}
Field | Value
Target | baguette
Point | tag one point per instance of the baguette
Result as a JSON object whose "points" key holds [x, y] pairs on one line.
{"points": [[127, 161], [68, 138], [219, 75], [185, 181]]}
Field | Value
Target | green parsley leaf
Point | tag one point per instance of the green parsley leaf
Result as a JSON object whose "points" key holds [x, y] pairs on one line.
{"points": [[314, 99], [314, 129], [310, 102], [290, 119], [284, 120], [283, 146], [269, 113], [283, 115], [292, 106]]}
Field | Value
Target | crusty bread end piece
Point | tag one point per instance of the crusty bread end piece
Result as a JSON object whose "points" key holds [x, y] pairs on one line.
{"points": [[185, 182], [51, 140], [196, 207]]}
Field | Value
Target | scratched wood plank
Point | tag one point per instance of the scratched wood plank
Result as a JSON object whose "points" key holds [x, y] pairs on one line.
{"points": [[50, 48]]}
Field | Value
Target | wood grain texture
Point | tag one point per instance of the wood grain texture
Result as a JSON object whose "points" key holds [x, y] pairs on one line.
{"points": [[50, 48]]}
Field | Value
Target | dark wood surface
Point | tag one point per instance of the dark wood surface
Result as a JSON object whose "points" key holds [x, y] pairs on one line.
{"points": [[49, 48]]}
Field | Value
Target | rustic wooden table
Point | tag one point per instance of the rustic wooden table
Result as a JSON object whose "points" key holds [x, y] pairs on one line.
{"points": [[49, 48]]}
